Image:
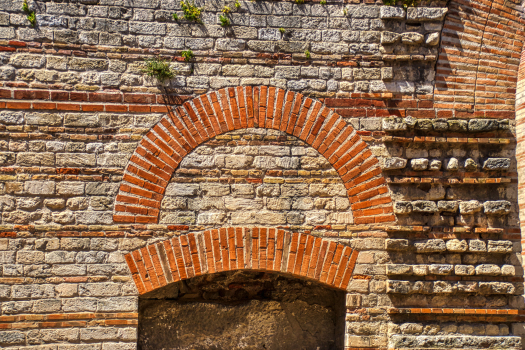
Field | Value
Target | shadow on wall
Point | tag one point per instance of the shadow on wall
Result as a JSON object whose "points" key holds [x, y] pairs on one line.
{"points": [[242, 309]]}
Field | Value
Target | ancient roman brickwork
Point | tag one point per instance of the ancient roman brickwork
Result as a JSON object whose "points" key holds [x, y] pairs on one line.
{"points": [[359, 148]]}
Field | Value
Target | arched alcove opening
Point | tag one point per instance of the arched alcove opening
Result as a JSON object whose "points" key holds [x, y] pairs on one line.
{"points": [[242, 310]]}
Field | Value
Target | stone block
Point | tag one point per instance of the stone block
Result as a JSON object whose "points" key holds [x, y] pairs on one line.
{"points": [[497, 207], [391, 12], [497, 164], [469, 207], [430, 246], [502, 247], [422, 14]]}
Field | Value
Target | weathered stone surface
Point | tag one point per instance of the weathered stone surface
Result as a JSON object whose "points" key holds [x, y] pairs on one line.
{"points": [[426, 13], [496, 164], [430, 246], [394, 163], [424, 207], [499, 246], [469, 207], [394, 124], [390, 12], [497, 207], [412, 38], [402, 207], [457, 246]]}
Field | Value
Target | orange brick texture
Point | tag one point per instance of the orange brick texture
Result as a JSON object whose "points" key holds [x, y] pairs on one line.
{"points": [[176, 135], [240, 248], [477, 68]]}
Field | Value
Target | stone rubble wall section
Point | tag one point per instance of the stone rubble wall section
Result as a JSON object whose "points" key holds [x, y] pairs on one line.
{"points": [[392, 49], [233, 248], [67, 293], [256, 176]]}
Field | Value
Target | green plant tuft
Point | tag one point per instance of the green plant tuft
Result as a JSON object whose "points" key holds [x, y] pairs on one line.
{"points": [[31, 16], [225, 21], [345, 11], [158, 68], [299, 2], [191, 12], [175, 16], [226, 9], [237, 4], [323, 2], [307, 54], [406, 3], [282, 30], [187, 55]]}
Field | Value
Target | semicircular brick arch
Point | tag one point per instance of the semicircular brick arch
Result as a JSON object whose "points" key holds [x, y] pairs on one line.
{"points": [[241, 248], [197, 121]]}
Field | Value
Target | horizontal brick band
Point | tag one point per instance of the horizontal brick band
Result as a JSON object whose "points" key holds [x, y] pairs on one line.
{"points": [[201, 119], [66, 320], [456, 311], [240, 248]]}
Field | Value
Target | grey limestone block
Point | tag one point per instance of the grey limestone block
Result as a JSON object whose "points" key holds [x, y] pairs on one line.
{"points": [[470, 207], [430, 246], [496, 164], [394, 124], [392, 12], [497, 207], [423, 14]]}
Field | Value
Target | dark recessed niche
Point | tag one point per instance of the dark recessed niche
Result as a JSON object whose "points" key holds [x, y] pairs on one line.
{"points": [[242, 310]]}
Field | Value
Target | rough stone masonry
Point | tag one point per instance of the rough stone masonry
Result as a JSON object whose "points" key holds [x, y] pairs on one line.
{"points": [[344, 146]]}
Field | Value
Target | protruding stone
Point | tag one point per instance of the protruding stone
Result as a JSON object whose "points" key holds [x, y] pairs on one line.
{"points": [[394, 124], [469, 207], [440, 269], [428, 207], [471, 165], [497, 164], [482, 125], [508, 270], [430, 246], [452, 164], [419, 164], [432, 39], [497, 207], [488, 270], [424, 124], [423, 14], [396, 244], [398, 269], [435, 165], [402, 208], [440, 124], [464, 270], [501, 247], [457, 246], [391, 12], [412, 38], [394, 163], [477, 246], [458, 125], [389, 38], [448, 206]]}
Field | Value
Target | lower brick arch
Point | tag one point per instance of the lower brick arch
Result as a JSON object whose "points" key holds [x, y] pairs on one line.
{"points": [[242, 248], [162, 149]]}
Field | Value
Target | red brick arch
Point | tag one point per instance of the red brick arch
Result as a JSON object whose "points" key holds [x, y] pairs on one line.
{"points": [[241, 248], [196, 121]]}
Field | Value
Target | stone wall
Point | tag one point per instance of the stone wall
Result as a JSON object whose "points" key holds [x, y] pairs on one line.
{"points": [[367, 148]]}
